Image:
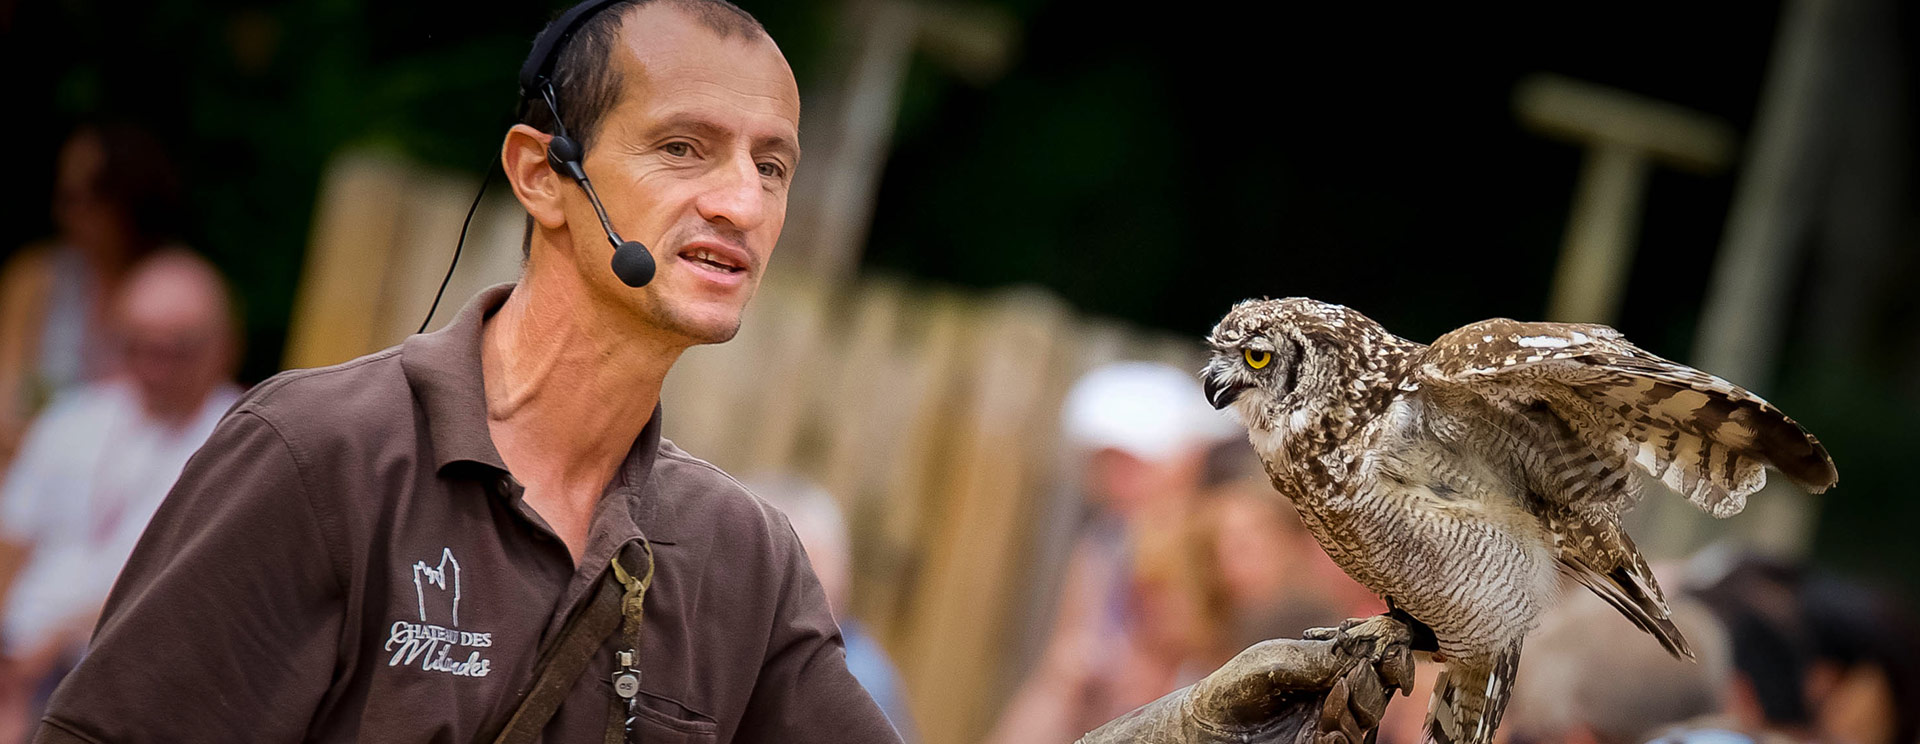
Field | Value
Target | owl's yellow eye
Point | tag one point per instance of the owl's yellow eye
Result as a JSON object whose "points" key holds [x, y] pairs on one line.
{"points": [[1257, 359]]}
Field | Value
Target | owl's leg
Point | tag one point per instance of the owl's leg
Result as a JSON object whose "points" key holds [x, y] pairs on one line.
{"points": [[1423, 637], [1470, 696]]}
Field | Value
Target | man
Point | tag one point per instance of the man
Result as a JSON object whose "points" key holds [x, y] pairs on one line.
{"points": [[379, 551], [99, 461], [116, 198]]}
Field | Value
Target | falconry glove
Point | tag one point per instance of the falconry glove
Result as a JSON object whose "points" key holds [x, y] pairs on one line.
{"points": [[1330, 687]]}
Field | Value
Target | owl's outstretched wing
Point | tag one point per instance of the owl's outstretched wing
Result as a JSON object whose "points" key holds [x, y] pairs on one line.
{"points": [[1702, 436], [1576, 408]]}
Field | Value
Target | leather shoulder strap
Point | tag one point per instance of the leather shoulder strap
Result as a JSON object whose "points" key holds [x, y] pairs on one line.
{"points": [[562, 662]]}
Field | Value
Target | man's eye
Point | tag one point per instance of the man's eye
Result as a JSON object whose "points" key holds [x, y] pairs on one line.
{"points": [[772, 170], [677, 149]]}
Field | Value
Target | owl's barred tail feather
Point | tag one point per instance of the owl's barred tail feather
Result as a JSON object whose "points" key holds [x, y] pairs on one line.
{"points": [[1470, 696]]}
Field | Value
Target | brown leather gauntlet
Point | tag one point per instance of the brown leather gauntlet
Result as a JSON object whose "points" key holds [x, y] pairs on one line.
{"points": [[1331, 687]]}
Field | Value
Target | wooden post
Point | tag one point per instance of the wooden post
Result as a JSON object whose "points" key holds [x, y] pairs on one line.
{"points": [[1626, 134], [384, 230], [846, 144], [1774, 208], [353, 228]]}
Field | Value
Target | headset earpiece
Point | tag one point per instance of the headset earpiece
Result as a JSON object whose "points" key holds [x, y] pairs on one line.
{"points": [[631, 261], [564, 155]]}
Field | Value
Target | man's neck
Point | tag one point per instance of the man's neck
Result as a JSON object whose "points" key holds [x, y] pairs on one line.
{"points": [[568, 388]]}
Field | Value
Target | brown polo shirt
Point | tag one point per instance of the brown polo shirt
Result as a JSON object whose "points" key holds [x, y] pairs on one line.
{"points": [[348, 559]]}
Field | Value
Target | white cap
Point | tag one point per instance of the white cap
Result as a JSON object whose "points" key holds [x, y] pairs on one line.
{"points": [[1149, 410]]}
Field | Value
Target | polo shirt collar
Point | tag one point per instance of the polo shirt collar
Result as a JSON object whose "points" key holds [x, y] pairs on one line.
{"points": [[443, 370]]}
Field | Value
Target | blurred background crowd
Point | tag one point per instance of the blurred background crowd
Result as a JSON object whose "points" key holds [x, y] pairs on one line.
{"points": [[970, 376]]}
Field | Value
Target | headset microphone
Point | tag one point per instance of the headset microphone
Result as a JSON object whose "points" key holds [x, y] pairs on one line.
{"points": [[631, 261]]}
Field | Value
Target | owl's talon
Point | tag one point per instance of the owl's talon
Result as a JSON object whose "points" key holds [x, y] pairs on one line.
{"points": [[1370, 638]]}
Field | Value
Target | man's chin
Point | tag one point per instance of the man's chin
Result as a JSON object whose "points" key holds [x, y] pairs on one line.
{"points": [[716, 334], [699, 328]]}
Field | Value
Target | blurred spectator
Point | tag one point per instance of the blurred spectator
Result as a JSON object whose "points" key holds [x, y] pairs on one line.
{"points": [[1589, 676], [1135, 620], [1865, 680], [116, 198], [823, 534], [1276, 580], [1757, 600], [97, 463], [1819, 658]]}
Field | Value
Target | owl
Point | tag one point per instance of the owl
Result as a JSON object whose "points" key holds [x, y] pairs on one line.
{"points": [[1460, 480]]}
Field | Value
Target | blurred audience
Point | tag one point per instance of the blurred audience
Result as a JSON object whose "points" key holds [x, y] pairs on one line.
{"points": [[1276, 580], [1137, 617], [1589, 676], [1865, 678], [116, 198], [1817, 658], [95, 466], [816, 518]]}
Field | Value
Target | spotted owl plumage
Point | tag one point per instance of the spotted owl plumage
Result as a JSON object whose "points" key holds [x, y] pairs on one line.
{"points": [[1459, 480]]}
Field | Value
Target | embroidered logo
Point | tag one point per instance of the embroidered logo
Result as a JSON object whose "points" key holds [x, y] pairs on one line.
{"points": [[436, 576], [438, 587]]}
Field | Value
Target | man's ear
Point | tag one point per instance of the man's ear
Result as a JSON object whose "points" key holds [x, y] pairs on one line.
{"points": [[535, 184]]}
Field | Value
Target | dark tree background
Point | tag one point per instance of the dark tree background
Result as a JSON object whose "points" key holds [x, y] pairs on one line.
{"points": [[1149, 163]]}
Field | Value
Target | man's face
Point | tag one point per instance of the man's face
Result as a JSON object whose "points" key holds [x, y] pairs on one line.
{"points": [[694, 161]]}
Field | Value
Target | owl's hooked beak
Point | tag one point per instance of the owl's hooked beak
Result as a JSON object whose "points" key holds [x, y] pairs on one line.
{"points": [[1221, 391]]}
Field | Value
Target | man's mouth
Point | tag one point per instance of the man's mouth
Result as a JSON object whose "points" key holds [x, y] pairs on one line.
{"points": [[713, 259]]}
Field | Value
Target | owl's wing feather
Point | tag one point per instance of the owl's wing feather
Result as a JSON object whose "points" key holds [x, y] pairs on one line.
{"points": [[1600, 555], [1702, 436], [1575, 408]]}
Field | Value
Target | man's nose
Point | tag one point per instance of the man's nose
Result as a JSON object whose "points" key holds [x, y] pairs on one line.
{"points": [[734, 193]]}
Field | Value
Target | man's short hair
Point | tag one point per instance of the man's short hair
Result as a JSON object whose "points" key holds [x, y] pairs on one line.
{"points": [[587, 86]]}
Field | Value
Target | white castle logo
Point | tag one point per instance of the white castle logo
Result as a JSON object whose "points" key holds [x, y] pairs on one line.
{"points": [[440, 576]]}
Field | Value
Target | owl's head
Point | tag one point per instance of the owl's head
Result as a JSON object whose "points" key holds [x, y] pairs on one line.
{"points": [[1281, 364]]}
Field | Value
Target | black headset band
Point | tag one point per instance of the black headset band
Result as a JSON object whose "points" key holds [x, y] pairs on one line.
{"points": [[537, 71]]}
